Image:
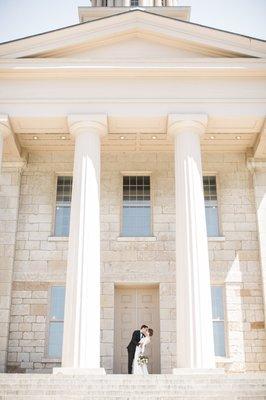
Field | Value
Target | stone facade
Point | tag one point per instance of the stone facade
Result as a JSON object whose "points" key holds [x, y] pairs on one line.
{"points": [[9, 204], [39, 259]]}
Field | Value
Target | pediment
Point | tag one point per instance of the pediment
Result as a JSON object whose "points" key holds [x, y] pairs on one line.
{"points": [[135, 46], [134, 34]]}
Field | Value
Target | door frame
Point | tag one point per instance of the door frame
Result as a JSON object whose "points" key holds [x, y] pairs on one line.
{"points": [[133, 285]]}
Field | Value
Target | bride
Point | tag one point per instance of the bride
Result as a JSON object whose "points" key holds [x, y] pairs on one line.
{"points": [[140, 351]]}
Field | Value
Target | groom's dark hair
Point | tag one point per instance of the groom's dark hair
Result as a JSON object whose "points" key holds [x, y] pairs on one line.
{"points": [[144, 326]]}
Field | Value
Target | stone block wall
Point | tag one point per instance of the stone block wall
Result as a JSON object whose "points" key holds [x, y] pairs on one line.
{"points": [[9, 201], [235, 262], [40, 259], [39, 262]]}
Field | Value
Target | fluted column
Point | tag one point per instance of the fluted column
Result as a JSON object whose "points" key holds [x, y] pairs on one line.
{"points": [[81, 342], [195, 348]]}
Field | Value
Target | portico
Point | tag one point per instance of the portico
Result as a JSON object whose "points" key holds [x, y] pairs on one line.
{"points": [[142, 124], [194, 321]]}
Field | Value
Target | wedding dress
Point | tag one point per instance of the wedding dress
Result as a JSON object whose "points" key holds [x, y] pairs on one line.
{"points": [[140, 350]]}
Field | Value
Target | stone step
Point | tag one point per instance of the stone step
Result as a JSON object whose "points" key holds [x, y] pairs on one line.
{"points": [[125, 387], [134, 377], [77, 381], [66, 386], [132, 397], [134, 384], [113, 393]]}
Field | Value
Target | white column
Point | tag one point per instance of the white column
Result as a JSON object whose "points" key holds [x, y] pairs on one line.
{"points": [[258, 171], [5, 130], [81, 342], [195, 348]]}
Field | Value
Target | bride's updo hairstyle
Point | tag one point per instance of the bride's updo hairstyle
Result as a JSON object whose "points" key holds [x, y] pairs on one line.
{"points": [[150, 331]]}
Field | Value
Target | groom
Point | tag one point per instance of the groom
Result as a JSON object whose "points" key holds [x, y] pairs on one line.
{"points": [[131, 348]]}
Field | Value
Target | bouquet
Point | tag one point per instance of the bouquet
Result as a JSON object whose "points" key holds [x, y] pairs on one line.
{"points": [[143, 360]]}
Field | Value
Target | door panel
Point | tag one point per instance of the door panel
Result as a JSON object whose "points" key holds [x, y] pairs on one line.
{"points": [[133, 308]]}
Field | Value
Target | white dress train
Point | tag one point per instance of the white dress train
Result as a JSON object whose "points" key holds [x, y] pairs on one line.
{"points": [[140, 350]]}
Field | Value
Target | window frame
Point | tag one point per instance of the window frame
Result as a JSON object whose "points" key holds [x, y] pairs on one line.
{"points": [[134, 5], [226, 344], [49, 304], [135, 173], [208, 173], [56, 176]]}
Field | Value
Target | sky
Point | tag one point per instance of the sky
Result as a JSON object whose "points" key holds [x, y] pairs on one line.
{"points": [[20, 18]]}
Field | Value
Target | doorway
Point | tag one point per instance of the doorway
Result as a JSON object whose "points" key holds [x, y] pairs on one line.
{"points": [[134, 306]]}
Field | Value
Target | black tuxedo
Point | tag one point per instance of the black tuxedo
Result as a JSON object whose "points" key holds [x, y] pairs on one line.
{"points": [[131, 348]]}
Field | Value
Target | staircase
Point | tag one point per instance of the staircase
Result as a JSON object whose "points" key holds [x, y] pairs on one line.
{"points": [[128, 387]]}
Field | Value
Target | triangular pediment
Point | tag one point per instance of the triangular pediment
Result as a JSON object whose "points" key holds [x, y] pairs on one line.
{"points": [[135, 46], [134, 34]]}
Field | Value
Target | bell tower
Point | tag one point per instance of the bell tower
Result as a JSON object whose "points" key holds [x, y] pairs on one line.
{"points": [[104, 8], [134, 3]]}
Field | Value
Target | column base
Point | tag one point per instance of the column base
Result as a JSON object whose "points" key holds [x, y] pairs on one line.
{"points": [[198, 371], [78, 371]]}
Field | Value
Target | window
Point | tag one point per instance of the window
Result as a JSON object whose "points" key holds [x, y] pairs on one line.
{"points": [[218, 320], [134, 3], [136, 206], [56, 321], [211, 205], [63, 204]]}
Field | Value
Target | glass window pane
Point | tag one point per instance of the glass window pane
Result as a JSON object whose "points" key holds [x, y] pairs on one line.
{"points": [[212, 222], [147, 180], [210, 188], [125, 180], [136, 206], [64, 189], [55, 339], [63, 203], [136, 221], [62, 220], [140, 180], [57, 302], [219, 338], [133, 180], [217, 302]]}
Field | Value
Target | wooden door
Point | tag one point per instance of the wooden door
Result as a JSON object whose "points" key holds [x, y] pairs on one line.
{"points": [[135, 306]]}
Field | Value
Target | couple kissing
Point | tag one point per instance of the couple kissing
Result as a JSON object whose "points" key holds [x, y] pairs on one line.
{"points": [[137, 360]]}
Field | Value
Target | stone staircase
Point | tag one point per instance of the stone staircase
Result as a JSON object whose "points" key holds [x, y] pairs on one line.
{"points": [[128, 387]]}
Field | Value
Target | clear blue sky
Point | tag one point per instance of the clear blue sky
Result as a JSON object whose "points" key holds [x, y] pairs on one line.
{"points": [[19, 18]]}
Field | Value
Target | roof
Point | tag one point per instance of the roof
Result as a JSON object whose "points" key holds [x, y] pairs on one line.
{"points": [[48, 44], [133, 11]]}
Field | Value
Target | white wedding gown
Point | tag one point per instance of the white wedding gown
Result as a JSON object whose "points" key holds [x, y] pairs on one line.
{"points": [[140, 350]]}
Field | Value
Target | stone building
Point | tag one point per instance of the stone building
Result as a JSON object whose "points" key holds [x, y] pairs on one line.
{"points": [[166, 119]]}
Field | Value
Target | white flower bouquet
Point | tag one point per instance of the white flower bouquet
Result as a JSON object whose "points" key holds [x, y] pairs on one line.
{"points": [[143, 360]]}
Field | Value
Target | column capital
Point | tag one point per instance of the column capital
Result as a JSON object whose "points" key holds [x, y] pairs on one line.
{"points": [[178, 123], [87, 123], [254, 165], [5, 128]]}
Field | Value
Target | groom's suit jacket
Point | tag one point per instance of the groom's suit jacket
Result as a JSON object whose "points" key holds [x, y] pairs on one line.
{"points": [[134, 341]]}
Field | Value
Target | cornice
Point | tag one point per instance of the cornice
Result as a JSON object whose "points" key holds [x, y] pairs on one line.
{"points": [[61, 68], [138, 20]]}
